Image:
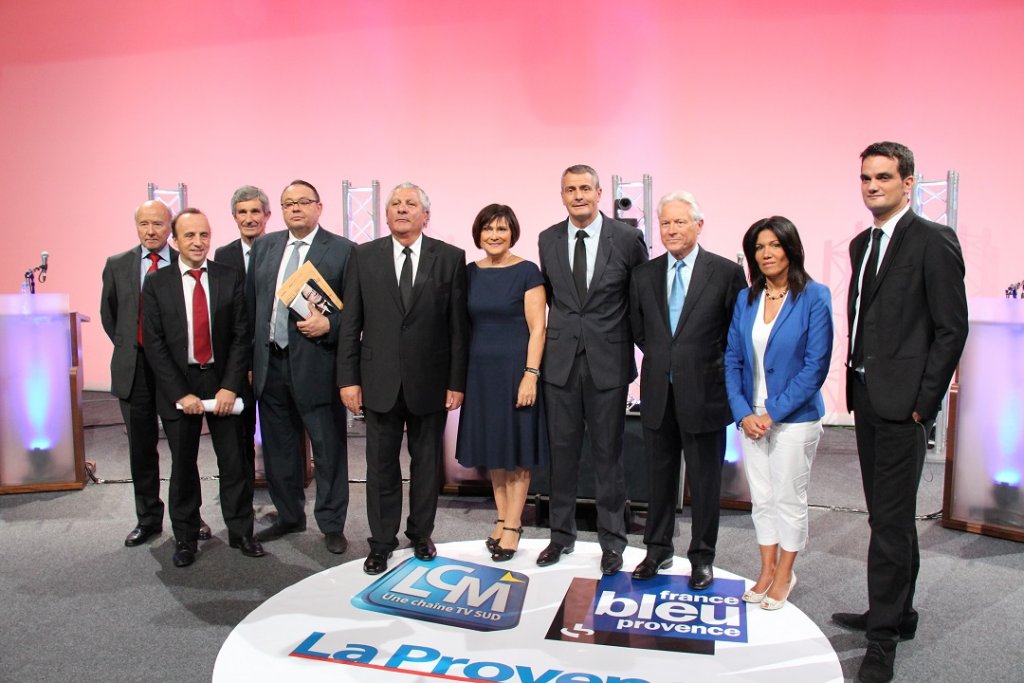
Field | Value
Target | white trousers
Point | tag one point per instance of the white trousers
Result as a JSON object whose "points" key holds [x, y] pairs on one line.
{"points": [[778, 469]]}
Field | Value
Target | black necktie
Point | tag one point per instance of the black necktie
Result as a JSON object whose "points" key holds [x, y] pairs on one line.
{"points": [[405, 280], [867, 282], [579, 265]]}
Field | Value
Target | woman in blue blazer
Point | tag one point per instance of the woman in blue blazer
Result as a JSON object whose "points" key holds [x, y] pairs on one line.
{"points": [[777, 358]]}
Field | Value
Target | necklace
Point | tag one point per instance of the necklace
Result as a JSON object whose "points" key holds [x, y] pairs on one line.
{"points": [[775, 297]]}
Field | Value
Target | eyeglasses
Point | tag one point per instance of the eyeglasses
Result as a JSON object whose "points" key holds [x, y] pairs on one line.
{"points": [[304, 202]]}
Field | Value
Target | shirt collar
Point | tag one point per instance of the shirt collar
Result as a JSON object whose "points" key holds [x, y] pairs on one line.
{"points": [[890, 225], [689, 259], [308, 239], [593, 229], [397, 246], [185, 267], [165, 253]]}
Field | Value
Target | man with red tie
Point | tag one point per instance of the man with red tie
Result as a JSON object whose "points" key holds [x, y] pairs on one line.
{"points": [[196, 339]]}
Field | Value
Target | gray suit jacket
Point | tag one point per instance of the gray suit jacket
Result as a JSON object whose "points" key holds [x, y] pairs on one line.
{"points": [[311, 361], [603, 318], [119, 311], [694, 353], [231, 255]]}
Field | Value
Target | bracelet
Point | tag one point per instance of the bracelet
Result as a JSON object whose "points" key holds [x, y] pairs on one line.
{"points": [[532, 371]]}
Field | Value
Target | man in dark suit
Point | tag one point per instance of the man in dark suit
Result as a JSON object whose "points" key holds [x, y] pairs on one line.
{"points": [[293, 371], [907, 311], [197, 340], [681, 304], [131, 377], [588, 360], [402, 359], [250, 208]]}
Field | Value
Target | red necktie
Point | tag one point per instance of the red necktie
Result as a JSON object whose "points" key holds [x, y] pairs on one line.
{"points": [[200, 320], [155, 258]]}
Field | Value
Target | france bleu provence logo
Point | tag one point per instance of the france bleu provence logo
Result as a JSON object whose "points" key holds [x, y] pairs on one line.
{"points": [[660, 614], [447, 591]]}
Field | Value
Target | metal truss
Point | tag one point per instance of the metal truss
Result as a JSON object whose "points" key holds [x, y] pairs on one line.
{"points": [[175, 200], [633, 204], [360, 211]]}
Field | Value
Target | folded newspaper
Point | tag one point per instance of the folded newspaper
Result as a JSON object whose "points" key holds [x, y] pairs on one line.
{"points": [[307, 288], [209, 404]]}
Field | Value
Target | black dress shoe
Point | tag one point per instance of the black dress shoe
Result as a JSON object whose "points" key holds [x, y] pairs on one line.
{"points": [[553, 553], [185, 553], [650, 567], [204, 531], [249, 546], [424, 549], [376, 563], [141, 534], [611, 562], [701, 577], [878, 663], [276, 531], [859, 622], [336, 542]]}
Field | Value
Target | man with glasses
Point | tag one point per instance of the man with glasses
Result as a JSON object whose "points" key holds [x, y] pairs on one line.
{"points": [[293, 371]]}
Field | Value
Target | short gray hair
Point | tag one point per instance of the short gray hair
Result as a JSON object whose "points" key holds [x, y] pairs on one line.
{"points": [[684, 197], [424, 199], [247, 193], [580, 169]]}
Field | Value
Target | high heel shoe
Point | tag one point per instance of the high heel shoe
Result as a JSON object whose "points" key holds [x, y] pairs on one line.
{"points": [[493, 543], [752, 597], [771, 604], [500, 554]]}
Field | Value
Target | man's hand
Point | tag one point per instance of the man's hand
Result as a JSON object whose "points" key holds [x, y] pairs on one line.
{"points": [[352, 397], [453, 399], [316, 325], [191, 404], [225, 399]]}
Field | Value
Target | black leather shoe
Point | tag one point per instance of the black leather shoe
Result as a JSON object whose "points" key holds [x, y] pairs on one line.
{"points": [[336, 542], [424, 549], [650, 567], [701, 577], [185, 553], [859, 622], [878, 663], [553, 553], [376, 563], [611, 562], [249, 546], [204, 531], [141, 534], [276, 531]]}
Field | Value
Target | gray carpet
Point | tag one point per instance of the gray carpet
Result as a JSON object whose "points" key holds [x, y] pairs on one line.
{"points": [[79, 606]]}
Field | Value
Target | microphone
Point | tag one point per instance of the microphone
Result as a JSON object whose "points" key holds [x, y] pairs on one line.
{"points": [[45, 256]]}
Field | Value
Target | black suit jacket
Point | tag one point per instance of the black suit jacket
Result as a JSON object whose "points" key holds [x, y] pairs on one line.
{"points": [[166, 333], [231, 255], [119, 311], [603, 318], [695, 353], [311, 361], [915, 318], [423, 351]]}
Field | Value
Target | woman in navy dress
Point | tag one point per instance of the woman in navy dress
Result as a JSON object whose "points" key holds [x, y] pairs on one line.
{"points": [[501, 427]]}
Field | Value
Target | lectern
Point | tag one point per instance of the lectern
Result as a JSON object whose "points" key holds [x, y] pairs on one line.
{"points": [[41, 442]]}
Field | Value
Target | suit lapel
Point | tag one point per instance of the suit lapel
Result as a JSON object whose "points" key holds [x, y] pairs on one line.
{"points": [[702, 272], [385, 258], [780, 319], [428, 257], [858, 258], [658, 274], [562, 257], [898, 234], [605, 246]]}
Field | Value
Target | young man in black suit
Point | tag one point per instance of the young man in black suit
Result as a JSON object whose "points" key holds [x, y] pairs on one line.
{"points": [[250, 208], [681, 304], [197, 340], [588, 360], [402, 359], [907, 311]]}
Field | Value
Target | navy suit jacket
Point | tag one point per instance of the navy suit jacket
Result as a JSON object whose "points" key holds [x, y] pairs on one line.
{"points": [[692, 354], [166, 333], [796, 359], [311, 361], [231, 255]]}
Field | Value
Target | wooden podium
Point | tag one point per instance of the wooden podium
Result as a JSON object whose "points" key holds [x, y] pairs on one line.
{"points": [[41, 442]]}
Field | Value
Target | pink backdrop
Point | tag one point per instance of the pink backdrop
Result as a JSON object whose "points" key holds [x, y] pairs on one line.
{"points": [[757, 108]]}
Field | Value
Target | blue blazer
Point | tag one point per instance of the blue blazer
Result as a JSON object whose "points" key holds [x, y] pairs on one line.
{"points": [[796, 359]]}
